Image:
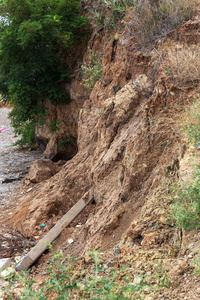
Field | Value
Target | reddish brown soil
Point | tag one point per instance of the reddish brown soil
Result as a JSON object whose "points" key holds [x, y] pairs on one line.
{"points": [[131, 148]]}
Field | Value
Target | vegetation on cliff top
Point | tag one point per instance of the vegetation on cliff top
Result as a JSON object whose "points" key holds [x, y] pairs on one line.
{"points": [[36, 37], [148, 20]]}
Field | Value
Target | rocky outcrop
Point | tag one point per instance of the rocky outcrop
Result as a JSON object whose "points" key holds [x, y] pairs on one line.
{"points": [[42, 169]]}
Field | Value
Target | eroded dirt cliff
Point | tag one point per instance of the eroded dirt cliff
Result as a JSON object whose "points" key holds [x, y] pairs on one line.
{"points": [[130, 149], [129, 139]]}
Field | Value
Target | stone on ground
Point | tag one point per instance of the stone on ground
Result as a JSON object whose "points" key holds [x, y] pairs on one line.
{"points": [[5, 263]]}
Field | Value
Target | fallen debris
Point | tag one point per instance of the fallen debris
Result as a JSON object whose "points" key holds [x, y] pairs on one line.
{"points": [[4, 129], [70, 241], [5, 263], [12, 242], [8, 180], [7, 272], [37, 251]]}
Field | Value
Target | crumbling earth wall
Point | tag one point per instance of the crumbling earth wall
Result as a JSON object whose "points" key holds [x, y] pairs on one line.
{"points": [[129, 140]]}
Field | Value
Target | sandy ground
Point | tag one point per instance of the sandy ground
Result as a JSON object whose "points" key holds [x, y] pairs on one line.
{"points": [[14, 163]]}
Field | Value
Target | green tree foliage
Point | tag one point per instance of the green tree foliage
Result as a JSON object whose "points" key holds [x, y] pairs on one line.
{"points": [[35, 39]]}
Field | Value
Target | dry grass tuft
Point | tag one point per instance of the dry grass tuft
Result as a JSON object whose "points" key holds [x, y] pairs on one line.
{"points": [[154, 19], [184, 66]]}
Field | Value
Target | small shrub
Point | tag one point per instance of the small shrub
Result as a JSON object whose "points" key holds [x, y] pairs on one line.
{"points": [[186, 207], [92, 71], [192, 125], [161, 275], [115, 12], [119, 7], [98, 17], [184, 66], [28, 131], [54, 125], [62, 144], [24, 126], [196, 264], [67, 280]]}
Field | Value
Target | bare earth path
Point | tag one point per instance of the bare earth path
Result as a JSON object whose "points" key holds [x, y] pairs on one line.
{"points": [[14, 163]]}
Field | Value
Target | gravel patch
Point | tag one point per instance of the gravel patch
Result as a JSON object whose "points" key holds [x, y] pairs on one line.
{"points": [[14, 163]]}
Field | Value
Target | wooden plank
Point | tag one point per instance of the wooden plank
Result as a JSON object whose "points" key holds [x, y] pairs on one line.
{"points": [[42, 245]]}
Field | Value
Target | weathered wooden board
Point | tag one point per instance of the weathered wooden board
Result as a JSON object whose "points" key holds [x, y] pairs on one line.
{"points": [[42, 245]]}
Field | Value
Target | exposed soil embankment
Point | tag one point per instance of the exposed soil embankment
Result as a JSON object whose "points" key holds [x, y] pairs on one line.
{"points": [[130, 149], [129, 141]]}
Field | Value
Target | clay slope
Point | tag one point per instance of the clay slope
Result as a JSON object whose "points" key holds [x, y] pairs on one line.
{"points": [[128, 140]]}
